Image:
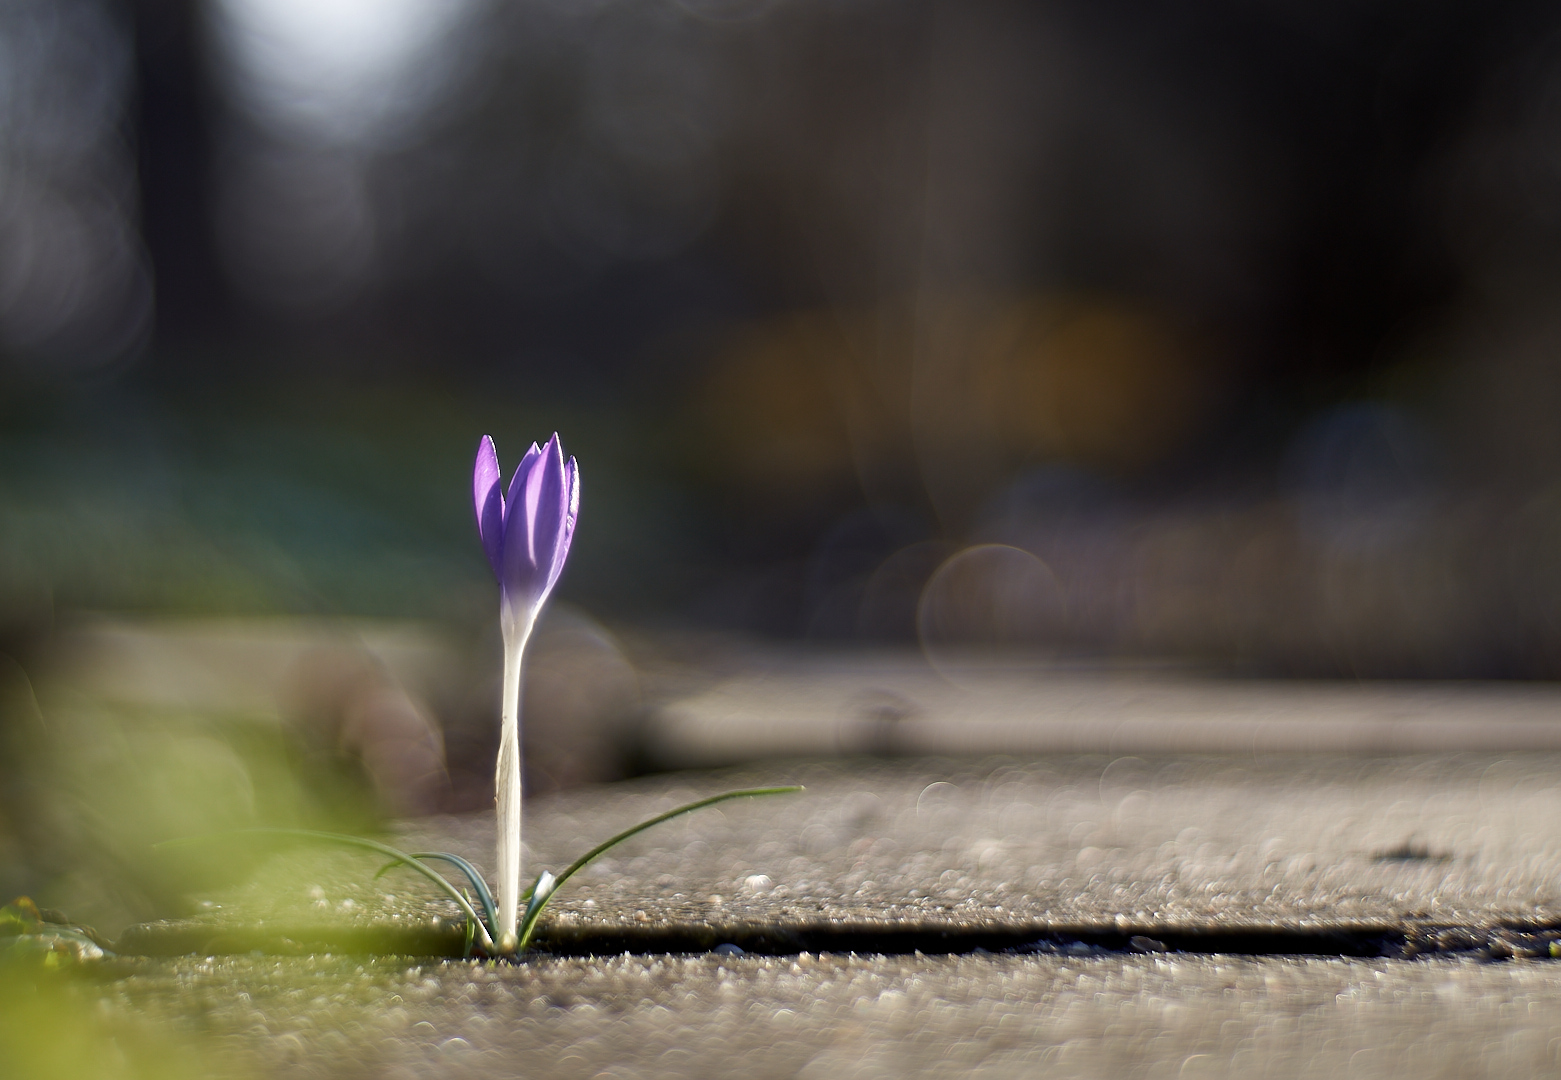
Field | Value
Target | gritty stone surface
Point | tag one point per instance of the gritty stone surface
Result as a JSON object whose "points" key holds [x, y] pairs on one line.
{"points": [[1189, 842], [1131, 828], [1146, 845], [856, 1016], [1177, 841]]}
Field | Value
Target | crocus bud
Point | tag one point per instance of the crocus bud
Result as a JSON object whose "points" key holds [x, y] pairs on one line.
{"points": [[526, 535]]}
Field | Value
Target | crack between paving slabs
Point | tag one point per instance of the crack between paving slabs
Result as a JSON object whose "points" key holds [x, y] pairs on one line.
{"points": [[445, 938]]}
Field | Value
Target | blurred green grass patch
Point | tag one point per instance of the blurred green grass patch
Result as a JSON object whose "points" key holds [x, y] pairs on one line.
{"points": [[87, 787], [59, 1025]]}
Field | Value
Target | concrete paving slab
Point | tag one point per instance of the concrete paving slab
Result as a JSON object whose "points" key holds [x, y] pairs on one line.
{"points": [[1059, 852], [1136, 846], [839, 1017], [1132, 845]]}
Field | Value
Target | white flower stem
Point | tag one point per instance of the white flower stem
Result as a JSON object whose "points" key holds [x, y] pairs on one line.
{"points": [[507, 780]]}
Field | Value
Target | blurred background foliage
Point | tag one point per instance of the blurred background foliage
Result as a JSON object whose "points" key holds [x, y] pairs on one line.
{"points": [[1217, 332]]}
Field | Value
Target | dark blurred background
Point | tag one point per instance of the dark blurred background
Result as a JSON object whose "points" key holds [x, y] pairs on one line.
{"points": [[1223, 333]]}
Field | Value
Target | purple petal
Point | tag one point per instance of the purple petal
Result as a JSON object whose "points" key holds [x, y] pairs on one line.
{"points": [[543, 503], [489, 499], [566, 531], [551, 492], [517, 482], [522, 579]]}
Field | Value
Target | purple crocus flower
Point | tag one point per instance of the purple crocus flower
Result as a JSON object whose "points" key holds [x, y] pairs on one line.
{"points": [[526, 537]]}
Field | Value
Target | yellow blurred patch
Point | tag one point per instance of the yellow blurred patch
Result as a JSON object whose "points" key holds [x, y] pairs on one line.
{"points": [[54, 1027], [953, 393]]}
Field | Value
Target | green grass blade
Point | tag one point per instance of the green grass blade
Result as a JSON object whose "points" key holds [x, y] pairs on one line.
{"points": [[386, 850], [484, 895], [534, 911]]}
